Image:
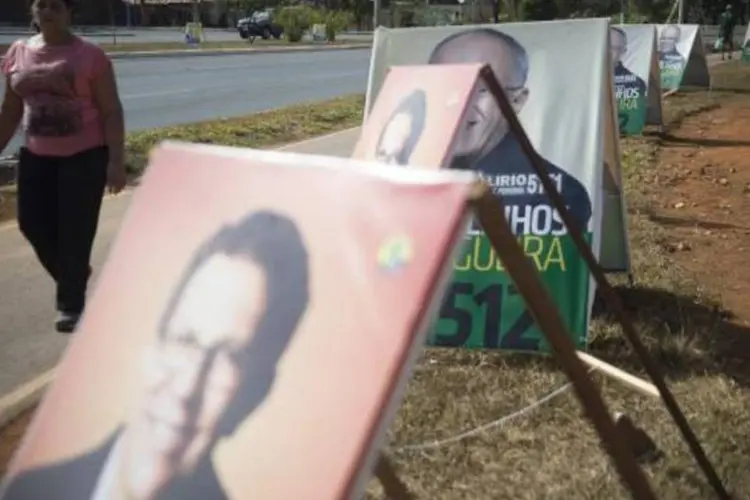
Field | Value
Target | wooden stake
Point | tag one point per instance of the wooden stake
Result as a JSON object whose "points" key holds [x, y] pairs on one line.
{"points": [[609, 294], [490, 214], [640, 385]]}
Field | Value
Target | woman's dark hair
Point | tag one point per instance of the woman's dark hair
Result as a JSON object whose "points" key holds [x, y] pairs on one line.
{"points": [[272, 241]]}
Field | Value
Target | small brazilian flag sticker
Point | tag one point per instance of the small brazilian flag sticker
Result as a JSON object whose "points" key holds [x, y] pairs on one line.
{"points": [[395, 253]]}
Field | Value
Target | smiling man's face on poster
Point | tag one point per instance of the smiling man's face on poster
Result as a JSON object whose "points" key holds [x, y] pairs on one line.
{"points": [[485, 124], [618, 45], [670, 37]]}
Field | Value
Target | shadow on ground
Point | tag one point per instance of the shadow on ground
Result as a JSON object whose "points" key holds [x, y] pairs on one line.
{"points": [[666, 220], [685, 337], [671, 140]]}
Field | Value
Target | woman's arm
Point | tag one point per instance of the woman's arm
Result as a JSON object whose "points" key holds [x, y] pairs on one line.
{"points": [[107, 100], [11, 112]]}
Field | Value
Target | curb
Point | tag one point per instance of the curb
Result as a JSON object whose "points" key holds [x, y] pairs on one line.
{"points": [[228, 52]]}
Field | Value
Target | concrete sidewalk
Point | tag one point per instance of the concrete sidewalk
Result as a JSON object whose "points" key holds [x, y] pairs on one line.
{"points": [[30, 346]]}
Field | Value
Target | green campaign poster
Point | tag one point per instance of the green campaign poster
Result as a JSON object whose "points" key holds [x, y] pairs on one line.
{"points": [[682, 57], [483, 308], [675, 42], [633, 56], [558, 80]]}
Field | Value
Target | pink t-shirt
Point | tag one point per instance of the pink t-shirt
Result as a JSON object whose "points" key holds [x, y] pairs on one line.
{"points": [[60, 116]]}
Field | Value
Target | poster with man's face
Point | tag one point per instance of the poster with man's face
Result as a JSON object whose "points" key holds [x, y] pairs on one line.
{"points": [[419, 115], [553, 74], [675, 42], [631, 50], [250, 347]]}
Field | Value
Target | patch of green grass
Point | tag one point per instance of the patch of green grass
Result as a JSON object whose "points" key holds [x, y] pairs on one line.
{"points": [[239, 44], [259, 130]]}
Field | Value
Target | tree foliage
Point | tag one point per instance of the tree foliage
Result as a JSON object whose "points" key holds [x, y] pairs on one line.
{"points": [[653, 11], [296, 19], [540, 10]]}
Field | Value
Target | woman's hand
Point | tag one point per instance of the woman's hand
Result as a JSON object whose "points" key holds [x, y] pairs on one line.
{"points": [[11, 111], [116, 177], [110, 108]]}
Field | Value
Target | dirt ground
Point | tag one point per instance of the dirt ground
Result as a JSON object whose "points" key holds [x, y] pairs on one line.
{"points": [[688, 192], [704, 170], [687, 188]]}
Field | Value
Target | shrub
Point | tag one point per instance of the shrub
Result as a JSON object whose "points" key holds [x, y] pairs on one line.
{"points": [[295, 21], [336, 21]]}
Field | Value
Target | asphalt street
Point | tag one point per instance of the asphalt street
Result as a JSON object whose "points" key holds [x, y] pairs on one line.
{"points": [[164, 91]]}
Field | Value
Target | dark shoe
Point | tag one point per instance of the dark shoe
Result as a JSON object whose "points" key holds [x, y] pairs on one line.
{"points": [[67, 322]]}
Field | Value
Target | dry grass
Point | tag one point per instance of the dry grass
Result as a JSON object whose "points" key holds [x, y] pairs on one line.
{"points": [[281, 126], [553, 453], [238, 44]]}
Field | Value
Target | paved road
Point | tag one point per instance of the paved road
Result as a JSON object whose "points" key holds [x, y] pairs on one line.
{"points": [[165, 91], [29, 344]]}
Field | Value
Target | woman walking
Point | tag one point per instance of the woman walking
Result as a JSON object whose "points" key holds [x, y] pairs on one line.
{"points": [[64, 89]]}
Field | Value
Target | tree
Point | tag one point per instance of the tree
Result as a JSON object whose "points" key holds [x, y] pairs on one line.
{"points": [[91, 12], [513, 10], [142, 6], [359, 9], [247, 7], [540, 10], [655, 10]]}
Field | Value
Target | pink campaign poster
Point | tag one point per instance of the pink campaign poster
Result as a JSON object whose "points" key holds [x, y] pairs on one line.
{"points": [[251, 332], [421, 115]]}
